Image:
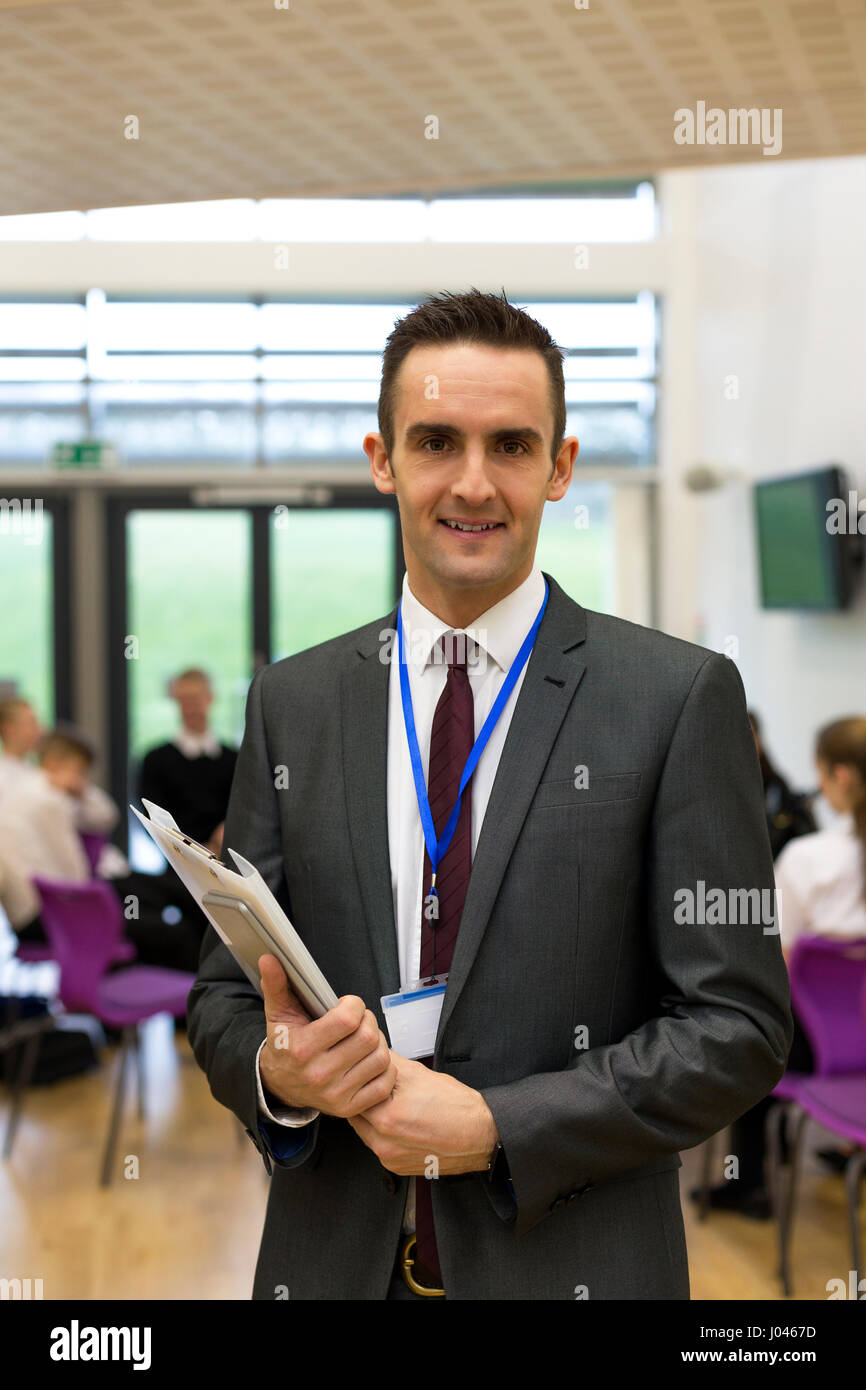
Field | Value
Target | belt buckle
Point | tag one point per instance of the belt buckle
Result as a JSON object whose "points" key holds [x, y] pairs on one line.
{"points": [[409, 1279]]}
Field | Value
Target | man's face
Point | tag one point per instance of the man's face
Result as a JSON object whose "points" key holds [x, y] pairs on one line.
{"points": [[194, 698], [473, 427]]}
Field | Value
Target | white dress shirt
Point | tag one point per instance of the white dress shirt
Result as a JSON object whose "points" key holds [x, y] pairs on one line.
{"points": [[820, 880], [197, 745], [499, 633]]}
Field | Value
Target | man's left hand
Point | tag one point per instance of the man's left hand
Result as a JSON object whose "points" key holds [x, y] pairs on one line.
{"points": [[428, 1116]]}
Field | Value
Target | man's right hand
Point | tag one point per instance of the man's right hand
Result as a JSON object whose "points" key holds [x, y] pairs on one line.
{"points": [[339, 1064]]}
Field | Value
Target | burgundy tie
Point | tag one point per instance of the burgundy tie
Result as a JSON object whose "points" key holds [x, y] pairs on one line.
{"points": [[451, 741]]}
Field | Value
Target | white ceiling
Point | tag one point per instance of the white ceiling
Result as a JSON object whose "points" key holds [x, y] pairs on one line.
{"points": [[236, 98]]}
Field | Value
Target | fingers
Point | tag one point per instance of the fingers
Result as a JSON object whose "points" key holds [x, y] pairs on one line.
{"points": [[373, 1078], [275, 986], [349, 1020], [323, 1062], [282, 1005]]}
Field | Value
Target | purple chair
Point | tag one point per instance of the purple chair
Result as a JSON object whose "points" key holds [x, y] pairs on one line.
{"points": [[94, 844], [828, 991], [84, 925], [31, 951]]}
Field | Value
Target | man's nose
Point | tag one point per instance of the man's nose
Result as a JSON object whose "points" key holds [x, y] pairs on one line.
{"points": [[473, 481]]}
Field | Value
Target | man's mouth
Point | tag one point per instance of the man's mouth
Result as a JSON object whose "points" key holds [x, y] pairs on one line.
{"points": [[473, 528]]}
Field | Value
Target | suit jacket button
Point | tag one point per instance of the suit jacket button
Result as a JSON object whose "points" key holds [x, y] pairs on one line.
{"points": [[389, 1182]]}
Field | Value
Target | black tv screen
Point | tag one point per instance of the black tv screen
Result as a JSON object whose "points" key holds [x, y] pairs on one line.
{"points": [[803, 563]]}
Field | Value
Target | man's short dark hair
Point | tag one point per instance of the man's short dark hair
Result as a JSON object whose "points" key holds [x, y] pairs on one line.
{"points": [[473, 317]]}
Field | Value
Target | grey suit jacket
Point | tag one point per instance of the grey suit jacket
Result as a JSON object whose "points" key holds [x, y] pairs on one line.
{"points": [[605, 1033]]}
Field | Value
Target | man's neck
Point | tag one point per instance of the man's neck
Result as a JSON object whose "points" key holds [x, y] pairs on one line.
{"points": [[459, 608]]}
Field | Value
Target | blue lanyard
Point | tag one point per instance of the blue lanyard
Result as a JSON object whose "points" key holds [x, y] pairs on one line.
{"points": [[437, 848]]}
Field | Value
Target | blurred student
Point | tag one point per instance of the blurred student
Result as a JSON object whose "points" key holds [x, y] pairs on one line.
{"points": [[16, 894], [789, 813], [38, 830], [191, 776], [822, 877], [21, 736], [821, 881], [40, 837]]}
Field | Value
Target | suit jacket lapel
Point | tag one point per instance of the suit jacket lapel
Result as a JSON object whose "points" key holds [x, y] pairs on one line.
{"points": [[364, 701], [553, 673]]}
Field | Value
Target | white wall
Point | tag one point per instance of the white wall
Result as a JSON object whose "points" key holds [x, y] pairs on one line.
{"points": [[770, 271]]}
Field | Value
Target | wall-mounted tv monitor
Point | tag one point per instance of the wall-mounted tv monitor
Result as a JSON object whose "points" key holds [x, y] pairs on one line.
{"points": [[805, 561]]}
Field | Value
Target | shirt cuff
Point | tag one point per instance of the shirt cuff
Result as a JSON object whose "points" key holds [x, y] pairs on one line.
{"points": [[291, 1115]]}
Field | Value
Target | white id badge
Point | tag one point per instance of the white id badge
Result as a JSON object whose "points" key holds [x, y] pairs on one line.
{"points": [[412, 1017]]}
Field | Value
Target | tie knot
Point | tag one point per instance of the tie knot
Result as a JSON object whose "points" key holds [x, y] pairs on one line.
{"points": [[457, 647]]}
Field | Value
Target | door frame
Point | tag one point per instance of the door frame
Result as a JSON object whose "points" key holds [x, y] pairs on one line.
{"points": [[118, 507]]}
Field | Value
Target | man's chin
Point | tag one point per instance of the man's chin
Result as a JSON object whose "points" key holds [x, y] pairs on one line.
{"points": [[469, 573]]}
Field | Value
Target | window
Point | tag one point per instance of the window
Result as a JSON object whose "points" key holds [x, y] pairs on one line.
{"points": [[239, 383]]}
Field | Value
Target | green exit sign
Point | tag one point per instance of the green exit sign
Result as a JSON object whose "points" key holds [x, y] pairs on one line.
{"points": [[85, 453]]}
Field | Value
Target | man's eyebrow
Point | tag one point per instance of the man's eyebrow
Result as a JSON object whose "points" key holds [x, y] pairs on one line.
{"points": [[423, 428]]}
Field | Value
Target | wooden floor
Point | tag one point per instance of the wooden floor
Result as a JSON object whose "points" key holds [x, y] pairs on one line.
{"points": [[188, 1227]]}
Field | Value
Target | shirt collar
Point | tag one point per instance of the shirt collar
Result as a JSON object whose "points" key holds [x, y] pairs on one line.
{"points": [[195, 745], [500, 630]]}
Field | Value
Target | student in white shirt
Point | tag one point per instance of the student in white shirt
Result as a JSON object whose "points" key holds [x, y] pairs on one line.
{"points": [[40, 836], [821, 883], [821, 878], [38, 830], [19, 737]]}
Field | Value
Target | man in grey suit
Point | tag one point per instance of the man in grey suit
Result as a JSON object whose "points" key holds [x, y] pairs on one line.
{"points": [[613, 996]]}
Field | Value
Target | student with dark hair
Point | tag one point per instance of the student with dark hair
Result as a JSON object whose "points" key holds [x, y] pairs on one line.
{"points": [[821, 882], [789, 813]]}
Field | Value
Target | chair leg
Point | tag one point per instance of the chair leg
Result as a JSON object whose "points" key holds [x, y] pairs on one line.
{"points": [[853, 1174], [782, 1180], [127, 1041], [139, 1072], [706, 1175], [773, 1153], [21, 1080]]}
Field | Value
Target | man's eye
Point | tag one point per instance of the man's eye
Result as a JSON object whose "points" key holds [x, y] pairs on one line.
{"points": [[440, 439]]}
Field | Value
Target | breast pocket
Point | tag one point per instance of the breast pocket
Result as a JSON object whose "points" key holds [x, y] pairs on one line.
{"points": [[561, 791]]}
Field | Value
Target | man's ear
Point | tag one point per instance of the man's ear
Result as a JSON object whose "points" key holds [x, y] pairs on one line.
{"points": [[380, 462]]}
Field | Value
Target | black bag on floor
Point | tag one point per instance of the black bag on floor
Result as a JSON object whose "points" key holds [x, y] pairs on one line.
{"points": [[62, 1051]]}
